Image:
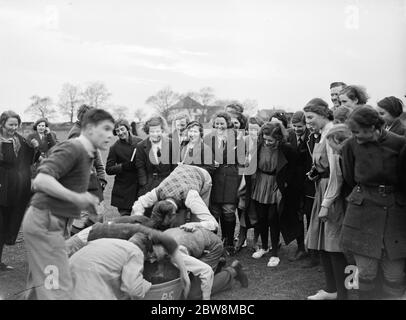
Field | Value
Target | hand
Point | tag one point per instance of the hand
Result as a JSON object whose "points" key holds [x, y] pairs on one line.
{"points": [[34, 143], [103, 184], [86, 200], [189, 227], [47, 130], [178, 260], [323, 214]]}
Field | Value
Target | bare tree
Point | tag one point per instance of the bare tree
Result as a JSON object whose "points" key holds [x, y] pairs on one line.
{"points": [[96, 95], [69, 100], [139, 114], [120, 112], [163, 100], [41, 107], [205, 97]]}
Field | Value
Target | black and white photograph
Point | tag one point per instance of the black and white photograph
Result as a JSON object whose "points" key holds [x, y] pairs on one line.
{"points": [[229, 150]]}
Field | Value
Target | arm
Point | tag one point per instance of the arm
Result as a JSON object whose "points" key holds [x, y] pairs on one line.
{"points": [[98, 164], [348, 162], [112, 168], [335, 180], [132, 280], [143, 202], [201, 270], [52, 140], [200, 211], [141, 164]]}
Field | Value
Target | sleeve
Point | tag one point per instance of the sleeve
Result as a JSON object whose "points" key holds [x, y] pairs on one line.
{"points": [[112, 168], [348, 161], [335, 180], [201, 270], [98, 164], [52, 140], [60, 161], [199, 209], [147, 200], [140, 164], [132, 280]]}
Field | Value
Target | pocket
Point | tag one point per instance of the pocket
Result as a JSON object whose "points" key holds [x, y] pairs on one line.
{"points": [[355, 198]]}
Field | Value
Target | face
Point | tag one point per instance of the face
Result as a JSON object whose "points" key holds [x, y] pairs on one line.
{"points": [[41, 127], [269, 141], [122, 133], [11, 126], [385, 115], [253, 130], [314, 121], [334, 95], [299, 128], [101, 134], [155, 133], [236, 123], [362, 135], [193, 134], [220, 124], [347, 102], [181, 124]]}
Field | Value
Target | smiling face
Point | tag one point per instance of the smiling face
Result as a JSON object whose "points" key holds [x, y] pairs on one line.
{"points": [[334, 96], [193, 134], [122, 133], [155, 134], [236, 123], [101, 134], [10, 126], [314, 121], [270, 141], [41, 127], [347, 102], [299, 128], [181, 124], [220, 124], [386, 116]]}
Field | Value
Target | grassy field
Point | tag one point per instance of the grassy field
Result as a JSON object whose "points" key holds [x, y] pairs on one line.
{"points": [[288, 281]]}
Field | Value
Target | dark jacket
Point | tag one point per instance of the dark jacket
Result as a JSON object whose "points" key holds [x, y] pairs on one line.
{"points": [[151, 174], [201, 156], [15, 186], [374, 219], [119, 163], [398, 128], [46, 143], [226, 177], [285, 178]]}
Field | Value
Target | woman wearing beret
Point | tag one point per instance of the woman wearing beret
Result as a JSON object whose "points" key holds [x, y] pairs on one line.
{"points": [[16, 156], [374, 227], [328, 208], [121, 163], [390, 109]]}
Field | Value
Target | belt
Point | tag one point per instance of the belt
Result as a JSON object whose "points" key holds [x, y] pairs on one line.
{"points": [[382, 189]]}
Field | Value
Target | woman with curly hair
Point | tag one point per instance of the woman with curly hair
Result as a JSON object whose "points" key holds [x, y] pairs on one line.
{"points": [[353, 96]]}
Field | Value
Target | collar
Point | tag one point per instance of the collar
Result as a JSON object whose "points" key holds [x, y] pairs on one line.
{"points": [[173, 202], [88, 145]]}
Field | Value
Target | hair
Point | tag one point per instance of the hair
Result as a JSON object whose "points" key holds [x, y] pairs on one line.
{"points": [[255, 120], [226, 116], [275, 130], [281, 116], [355, 92], [34, 127], [238, 108], [95, 116], [337, 84], [155, 121], [320, 107], [341, 114], [7, 115], [181, 116], [119, 123], [134, 128], [142, 241], [392, 105], [366, 117], [195, 124], [298, 117], [160, 211], [82, 111]]}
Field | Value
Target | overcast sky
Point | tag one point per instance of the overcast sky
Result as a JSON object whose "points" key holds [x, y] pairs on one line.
{"points": [[281, 53]]}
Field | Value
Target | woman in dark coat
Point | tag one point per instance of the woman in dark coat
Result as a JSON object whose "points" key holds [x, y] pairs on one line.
{"points": [[273, 190], [374, 227], [16, 156], [121, 163], [226, 178], [390, 109]]}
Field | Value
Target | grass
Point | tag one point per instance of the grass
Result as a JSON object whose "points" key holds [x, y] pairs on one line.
{"points": [[288, 281]]}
